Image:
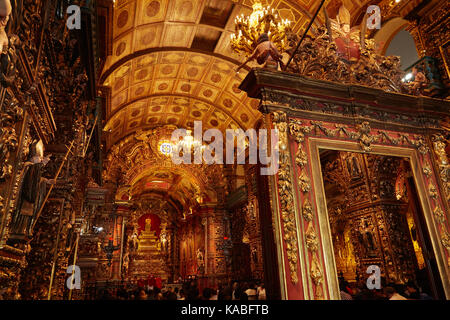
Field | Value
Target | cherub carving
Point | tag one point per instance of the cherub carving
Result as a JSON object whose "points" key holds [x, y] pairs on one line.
{"points": [[419, 82], [266, 54]]}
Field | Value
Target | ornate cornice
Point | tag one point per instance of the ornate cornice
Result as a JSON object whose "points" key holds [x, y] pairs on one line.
{"points": [[286, 195], [308, 98]]}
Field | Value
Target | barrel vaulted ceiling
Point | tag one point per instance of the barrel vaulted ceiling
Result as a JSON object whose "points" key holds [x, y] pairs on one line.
{"points": [[171, 62]]}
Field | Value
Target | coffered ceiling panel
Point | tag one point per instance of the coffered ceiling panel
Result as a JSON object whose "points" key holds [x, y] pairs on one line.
{"points": [[177, 87], [172, 62]]}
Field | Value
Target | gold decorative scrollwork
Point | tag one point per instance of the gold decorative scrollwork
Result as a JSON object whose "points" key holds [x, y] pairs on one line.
{"points": [[439, 149], [318, 58], [311, 239], [440, 217], [286, 194], [432, 190], [427, 169], [421, 144], [317, 277], [304, 182], [2, 205], [298, 130], [444, 166], [8, 143], [446, 240], [364, 137], [307, 211]]}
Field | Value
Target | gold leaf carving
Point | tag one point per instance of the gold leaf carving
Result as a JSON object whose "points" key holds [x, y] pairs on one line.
{"points": [[364, 137], [312, 242], [440, 217], [301, 158], [317, 277], [304, 182], [446, 240], [286, 193], [2, 205], [439, 149], [421, 145], [432, 190], [307, 210], [444, 167], [426, 169]]}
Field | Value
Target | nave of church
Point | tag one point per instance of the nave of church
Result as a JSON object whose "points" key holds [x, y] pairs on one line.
{"points": [[224, 150]]}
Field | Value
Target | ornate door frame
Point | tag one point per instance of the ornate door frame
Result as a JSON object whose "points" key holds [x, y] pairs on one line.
{"points": [[303, 236], [420, 178], [355, 118]]}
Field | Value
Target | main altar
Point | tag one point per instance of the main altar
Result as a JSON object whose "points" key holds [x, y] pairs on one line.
{"points": [[147, 261]]}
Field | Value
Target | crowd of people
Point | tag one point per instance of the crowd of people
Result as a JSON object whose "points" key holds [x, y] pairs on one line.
{"points": [[392, 291], [252, 290], [187, 291]]}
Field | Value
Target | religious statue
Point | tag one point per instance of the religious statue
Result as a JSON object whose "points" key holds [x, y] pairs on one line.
{"points": [[148, 224], [5, 12], [349, 41], [353, 167], [419, 83], [134, 240], [200, 261], [366, 239], [126, 261], [8, 59], [32, 190], [266, 54], [8, 54], [255, 255]]}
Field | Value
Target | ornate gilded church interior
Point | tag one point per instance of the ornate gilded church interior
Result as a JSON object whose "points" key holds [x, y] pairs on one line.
{"points": [[375, 218], [356, 96]]}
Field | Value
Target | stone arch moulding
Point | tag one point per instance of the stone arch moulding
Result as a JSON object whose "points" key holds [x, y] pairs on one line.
{"points": [[388, 31]]}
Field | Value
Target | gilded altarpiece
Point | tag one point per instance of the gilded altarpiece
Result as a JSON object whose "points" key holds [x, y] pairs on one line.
{"points": [[367, 205], [311, 115]]}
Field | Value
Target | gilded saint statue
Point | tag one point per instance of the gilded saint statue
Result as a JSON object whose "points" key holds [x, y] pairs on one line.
{"points": [[148, 225], [349, 41], [32, 190], [366, 239], [200, 261]]}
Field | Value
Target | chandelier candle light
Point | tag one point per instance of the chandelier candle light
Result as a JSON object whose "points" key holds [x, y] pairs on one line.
{"points": [[262, 20]]}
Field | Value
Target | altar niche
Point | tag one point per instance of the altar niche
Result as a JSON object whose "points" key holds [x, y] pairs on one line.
{"points": [[376, 219]]}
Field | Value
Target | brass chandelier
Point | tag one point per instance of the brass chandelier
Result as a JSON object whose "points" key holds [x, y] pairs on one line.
{"points": [[262, 20]]}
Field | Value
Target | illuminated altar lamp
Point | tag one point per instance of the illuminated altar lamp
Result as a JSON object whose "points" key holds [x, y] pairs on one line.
{"points": [[407, 77], [188, 142], [261, 20]]}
